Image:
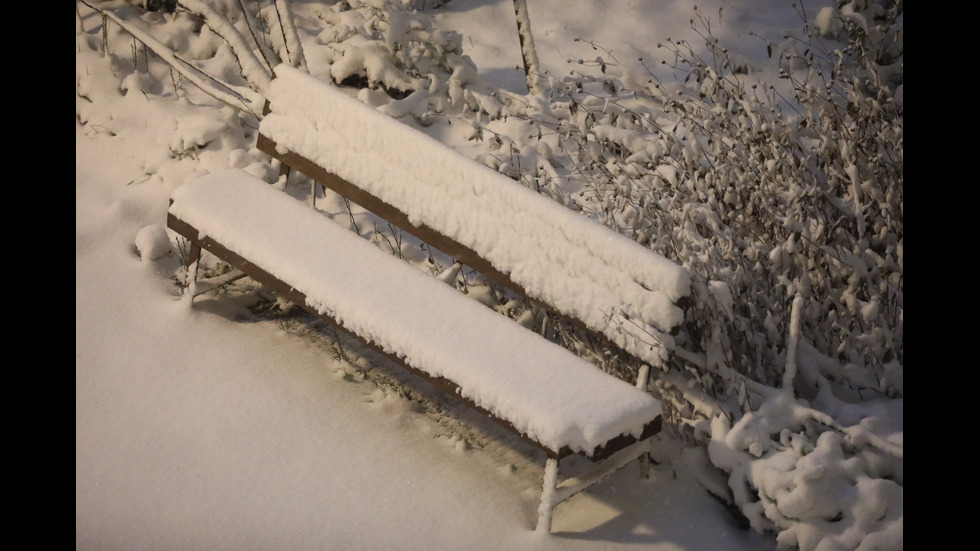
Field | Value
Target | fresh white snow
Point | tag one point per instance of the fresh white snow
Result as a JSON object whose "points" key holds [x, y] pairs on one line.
{"points": [[544, 390], [208, 428], [567, 260]]}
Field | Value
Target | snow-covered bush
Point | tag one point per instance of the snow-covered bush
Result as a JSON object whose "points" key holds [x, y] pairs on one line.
{"points": [[397, 59], [785, 199]]}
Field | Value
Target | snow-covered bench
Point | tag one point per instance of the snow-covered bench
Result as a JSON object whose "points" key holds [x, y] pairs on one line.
{"points": [[542, 391], [576, 267], [554, 256]]}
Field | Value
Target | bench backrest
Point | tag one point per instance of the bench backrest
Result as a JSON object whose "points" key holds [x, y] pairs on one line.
{"points": [[554, 255]]}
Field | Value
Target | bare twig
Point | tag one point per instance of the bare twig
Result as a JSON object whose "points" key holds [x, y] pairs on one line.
{"points": [[270, 58]]}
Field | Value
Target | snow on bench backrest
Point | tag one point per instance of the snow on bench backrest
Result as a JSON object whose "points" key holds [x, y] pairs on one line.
{"points": [[544, 390], [560, 257]]}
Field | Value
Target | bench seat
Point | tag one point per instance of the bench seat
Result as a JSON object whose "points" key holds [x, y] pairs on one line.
{"points": [[544, 391]]}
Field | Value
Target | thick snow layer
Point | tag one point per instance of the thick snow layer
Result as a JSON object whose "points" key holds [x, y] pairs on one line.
{"points": [[558, 256], [544, 390]]}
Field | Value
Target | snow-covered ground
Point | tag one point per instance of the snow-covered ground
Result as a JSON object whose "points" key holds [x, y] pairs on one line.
{"points": [[211, 428], [203, 429]]}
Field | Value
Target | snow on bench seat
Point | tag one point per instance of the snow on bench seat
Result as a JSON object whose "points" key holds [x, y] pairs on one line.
{"points": [[545, 391], [583, 269]]}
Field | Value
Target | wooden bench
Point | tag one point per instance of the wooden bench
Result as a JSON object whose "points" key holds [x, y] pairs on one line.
{"points": [[558, 258]]}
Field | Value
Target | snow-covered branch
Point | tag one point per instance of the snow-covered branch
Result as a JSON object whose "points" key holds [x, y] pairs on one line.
{"points": [[257, 75], [243, 99], [794, 340], [294, 48], [268, 56]]}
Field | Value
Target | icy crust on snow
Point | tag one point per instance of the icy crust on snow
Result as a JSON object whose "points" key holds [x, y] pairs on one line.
{"points": [[543, 389], [575, 264]]}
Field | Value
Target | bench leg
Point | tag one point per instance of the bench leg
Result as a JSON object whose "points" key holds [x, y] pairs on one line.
{"points": [[641, 383], [548, 488], [190, 283]]}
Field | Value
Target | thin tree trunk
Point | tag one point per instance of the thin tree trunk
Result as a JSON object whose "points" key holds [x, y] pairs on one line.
{"points": [[294, 48], [530, 55]]}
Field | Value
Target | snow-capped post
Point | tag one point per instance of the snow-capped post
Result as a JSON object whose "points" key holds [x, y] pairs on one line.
{"points": [[530, 55], [642, 378], [794, 340], [547, 506]]}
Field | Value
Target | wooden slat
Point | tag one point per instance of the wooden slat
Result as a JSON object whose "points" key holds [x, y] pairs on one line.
{"points": [[571, 486]]}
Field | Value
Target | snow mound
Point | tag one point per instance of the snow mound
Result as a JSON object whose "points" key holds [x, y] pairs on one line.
{"points": [[153, 243]]}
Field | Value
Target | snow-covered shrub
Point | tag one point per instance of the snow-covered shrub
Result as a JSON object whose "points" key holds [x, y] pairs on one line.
{"points": [[785, 199], [397, 59], [816, 485]]}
